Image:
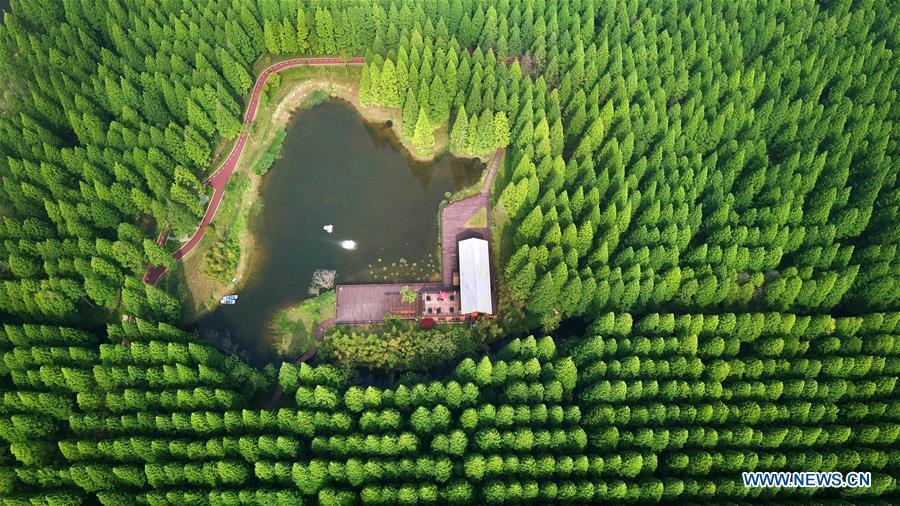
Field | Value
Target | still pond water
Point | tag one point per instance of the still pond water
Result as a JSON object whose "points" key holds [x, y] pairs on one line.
{"points": [[337, 170]]}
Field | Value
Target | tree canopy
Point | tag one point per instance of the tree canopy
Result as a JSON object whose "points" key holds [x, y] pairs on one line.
{"points": [[708, 189]]}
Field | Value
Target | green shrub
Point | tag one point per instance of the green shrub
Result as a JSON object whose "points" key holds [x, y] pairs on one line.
{"points": [[271, 154], [222, 259]]}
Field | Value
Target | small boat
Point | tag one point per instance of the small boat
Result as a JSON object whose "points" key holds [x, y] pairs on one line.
{"points": [[228, 301], [230, 297], [328, 228]]}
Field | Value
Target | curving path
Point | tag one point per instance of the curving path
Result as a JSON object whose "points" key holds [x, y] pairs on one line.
{"points": [[219, 178]]}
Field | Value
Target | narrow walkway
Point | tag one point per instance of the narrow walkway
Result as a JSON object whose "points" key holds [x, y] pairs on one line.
{"points": [[322, 327], [219, 179], [454, 217], [492, 171]]}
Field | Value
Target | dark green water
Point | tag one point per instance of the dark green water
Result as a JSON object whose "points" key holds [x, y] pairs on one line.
{"points": [[335, 169]]}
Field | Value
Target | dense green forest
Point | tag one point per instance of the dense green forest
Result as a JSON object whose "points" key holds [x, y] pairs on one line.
{"points": [[663, 408], [710, 187]]}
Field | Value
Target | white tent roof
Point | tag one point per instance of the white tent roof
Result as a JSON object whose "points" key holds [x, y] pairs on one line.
{"points": [[474, 276]]}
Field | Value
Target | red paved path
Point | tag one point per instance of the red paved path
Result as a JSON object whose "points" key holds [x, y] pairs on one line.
{"points": [[219, 178]]}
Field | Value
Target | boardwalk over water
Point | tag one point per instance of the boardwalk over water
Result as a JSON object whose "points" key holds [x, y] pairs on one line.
{"points": [[368, 303]]}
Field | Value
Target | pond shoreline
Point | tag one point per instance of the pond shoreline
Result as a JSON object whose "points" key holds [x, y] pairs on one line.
{"points": [[336, 168], [288, 109], [289, 98]]}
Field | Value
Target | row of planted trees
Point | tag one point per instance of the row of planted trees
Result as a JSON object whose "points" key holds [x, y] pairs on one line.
{"points": [[593, 422]]}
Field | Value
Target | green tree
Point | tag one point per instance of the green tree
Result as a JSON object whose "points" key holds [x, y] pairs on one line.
{"points": [[438, 101], [272, 36], [302, 45], [459, 132], [287, 36], [484, 139], [410, 114], [156, 254], [484, 372], [226, 124], [423, 137], [501, 130], [234, 73], [388, 90], [325, 31]]}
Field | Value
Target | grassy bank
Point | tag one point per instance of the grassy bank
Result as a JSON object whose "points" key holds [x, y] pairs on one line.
{"points": [[295, 327], [272, 153], [209, 270]]}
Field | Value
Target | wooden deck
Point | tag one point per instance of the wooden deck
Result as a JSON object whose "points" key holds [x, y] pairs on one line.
{"points": [[453, 219], [369, 303]]}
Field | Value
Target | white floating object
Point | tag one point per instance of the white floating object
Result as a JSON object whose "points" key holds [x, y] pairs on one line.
{"points": [[228, 301], [230, 297], [328, 228], [348, 244]]}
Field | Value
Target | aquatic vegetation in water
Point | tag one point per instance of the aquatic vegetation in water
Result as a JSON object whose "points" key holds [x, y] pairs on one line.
{"points": [[427, 269], [271, 154], [315, 98]]}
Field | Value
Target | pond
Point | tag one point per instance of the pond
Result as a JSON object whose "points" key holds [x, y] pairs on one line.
{"points": [[336, 170]]}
